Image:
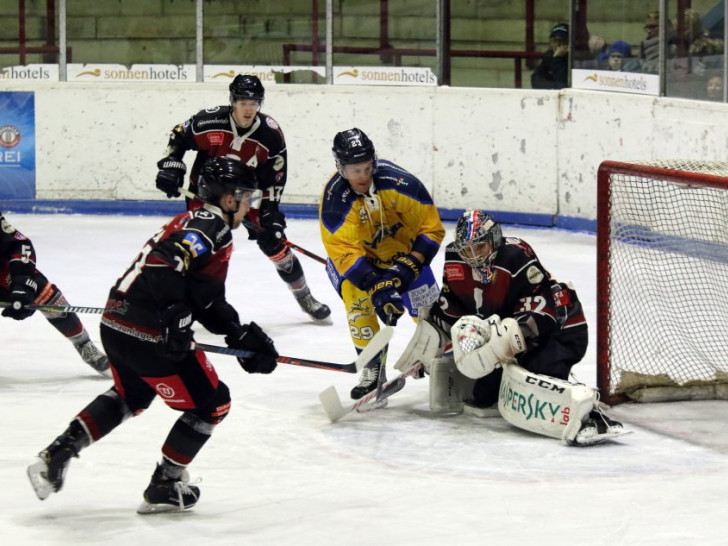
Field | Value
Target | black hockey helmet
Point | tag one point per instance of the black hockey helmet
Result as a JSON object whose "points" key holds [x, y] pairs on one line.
{"points": [[473, 228], [353, 146], [246, 86], [223, 175]]}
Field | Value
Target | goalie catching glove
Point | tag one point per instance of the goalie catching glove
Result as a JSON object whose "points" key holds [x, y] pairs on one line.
{"points": [[479, 346], [171, 176], [251, 337]]}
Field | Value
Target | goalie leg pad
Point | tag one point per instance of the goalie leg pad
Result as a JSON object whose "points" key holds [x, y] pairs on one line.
{"points": [[426, 344], [448, 387], [544, 405]]}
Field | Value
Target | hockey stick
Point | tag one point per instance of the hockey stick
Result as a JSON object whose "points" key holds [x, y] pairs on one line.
{"points": [[335, 410], [377, 343], [56, 308], [247, 223]]}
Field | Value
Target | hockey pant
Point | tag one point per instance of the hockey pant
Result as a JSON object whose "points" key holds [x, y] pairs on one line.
{"points": [[554, 358], [360, 313], [141, 373]]}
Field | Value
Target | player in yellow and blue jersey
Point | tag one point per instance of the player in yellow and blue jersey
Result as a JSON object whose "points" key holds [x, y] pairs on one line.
{"points": [[381, 230]]}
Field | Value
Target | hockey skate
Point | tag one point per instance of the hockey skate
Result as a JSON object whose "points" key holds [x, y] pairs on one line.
{"points": [[94, 358], [597, 429], [369, 379], [310, 305], [166, 494], [48, 472]]}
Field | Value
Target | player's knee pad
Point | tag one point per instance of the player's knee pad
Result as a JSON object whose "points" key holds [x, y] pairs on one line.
{"points": [[448, 387], [542, 404], [217, 408]]}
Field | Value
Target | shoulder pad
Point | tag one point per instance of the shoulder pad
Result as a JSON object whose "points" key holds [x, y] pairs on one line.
{"points": [[211, 226], [270, 134], [336, 203], [393, 177], [215, 118]]}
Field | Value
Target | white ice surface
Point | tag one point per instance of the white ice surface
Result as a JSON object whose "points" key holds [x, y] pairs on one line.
{"points": [[276, 472]]}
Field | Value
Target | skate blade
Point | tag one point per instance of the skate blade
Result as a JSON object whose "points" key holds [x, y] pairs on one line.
{"points": [[371, 406], [41, 486], [599, 438]]}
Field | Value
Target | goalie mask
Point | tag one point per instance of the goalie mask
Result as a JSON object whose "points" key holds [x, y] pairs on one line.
{"points": [[353, 146], [477, 237], [246, 87], [221, 175]]}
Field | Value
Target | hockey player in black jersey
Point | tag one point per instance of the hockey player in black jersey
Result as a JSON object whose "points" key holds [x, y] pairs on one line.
{"points": [[22, 284], [242, 131], [178, 278]]}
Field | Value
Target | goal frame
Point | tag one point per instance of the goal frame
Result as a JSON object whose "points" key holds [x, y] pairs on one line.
{"points": [[604, 215]]}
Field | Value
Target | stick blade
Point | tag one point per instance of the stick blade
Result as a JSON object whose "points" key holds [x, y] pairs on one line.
{"points": [[332, 404], [374, 347]]}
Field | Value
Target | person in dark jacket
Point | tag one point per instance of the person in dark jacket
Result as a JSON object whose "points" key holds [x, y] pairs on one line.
{"points": [[553, 71]]}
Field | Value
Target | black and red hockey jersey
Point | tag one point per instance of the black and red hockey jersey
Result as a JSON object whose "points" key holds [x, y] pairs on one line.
{"points": [[17, 255], [185, 262], [213, 133], [513, 284]]}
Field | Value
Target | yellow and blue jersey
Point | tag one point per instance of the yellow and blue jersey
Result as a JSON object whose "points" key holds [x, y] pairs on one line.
{"points": [[364, 232]]}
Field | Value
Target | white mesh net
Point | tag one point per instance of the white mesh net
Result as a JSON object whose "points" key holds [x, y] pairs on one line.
{"points": [[667, 271]]}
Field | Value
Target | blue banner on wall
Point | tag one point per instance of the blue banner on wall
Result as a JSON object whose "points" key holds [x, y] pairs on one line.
{"points": [[17, 145]]}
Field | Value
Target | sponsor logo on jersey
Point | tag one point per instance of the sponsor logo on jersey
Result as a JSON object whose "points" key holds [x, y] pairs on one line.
{"points": [[195, 244], [212, 109], [272, 123], [19, 236], [215, 139], [222, 233], [454, 272], [534, 275]]}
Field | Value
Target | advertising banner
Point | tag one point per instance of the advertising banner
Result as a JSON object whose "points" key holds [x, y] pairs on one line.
{"points": [[17, 145], [621, 82]]}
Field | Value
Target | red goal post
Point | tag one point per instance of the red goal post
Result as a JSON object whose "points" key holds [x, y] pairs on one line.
{"points": [[662, 281]]}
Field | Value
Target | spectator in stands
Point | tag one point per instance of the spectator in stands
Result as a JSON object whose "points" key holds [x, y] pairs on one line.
{"points": [[619, 58], [553, 71], [650, 46], [714, 87], [698, 38]]}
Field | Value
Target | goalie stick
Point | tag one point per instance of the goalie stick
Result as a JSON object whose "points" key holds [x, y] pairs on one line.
{"points": [[255, 227], [377, 343], [335, 410]]}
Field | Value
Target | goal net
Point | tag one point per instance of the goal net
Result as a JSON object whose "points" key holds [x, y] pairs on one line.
{"points": [[662, 281]]}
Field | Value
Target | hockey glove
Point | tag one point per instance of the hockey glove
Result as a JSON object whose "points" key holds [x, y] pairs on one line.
{"points": [[22, 293], [178, 334], [405, 270], [171, 176], [386, 300], [251, 337], [273, 220]]}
